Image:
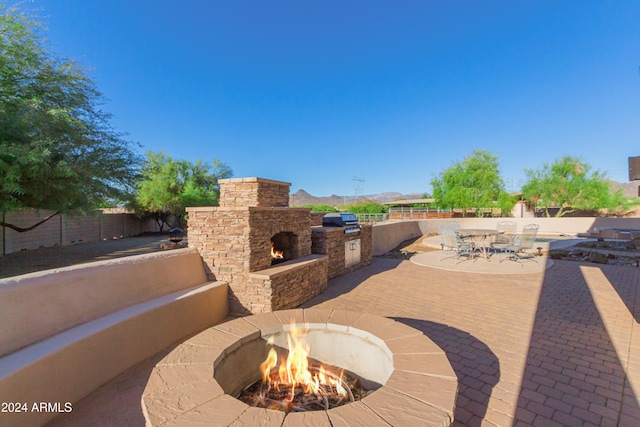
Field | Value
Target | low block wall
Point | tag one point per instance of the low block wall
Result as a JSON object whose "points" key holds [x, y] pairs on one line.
{"points": [[38, 305], [71, 364], [389, 235], [64, 333]]}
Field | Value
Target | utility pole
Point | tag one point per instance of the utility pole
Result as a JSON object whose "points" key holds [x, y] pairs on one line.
{"points": [[358, 186]]}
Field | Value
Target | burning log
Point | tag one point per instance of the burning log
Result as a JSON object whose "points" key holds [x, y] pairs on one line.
{"points": [[300, 383], [276, 254]]}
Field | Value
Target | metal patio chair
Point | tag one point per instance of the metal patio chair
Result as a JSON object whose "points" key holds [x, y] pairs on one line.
{"points": [[518, 250], [455, 245], [507, 238]]}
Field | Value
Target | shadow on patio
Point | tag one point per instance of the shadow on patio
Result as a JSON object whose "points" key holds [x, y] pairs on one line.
{"points": [[475, 365], [548, 349], [576, 370]]}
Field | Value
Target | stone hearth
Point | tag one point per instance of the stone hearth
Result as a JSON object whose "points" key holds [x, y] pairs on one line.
{"points": [[196, 383]]}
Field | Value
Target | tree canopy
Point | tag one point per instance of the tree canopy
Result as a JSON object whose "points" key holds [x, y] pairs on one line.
{"points": [[168, 186], [472, 183], [569, 185], [58, 150]]}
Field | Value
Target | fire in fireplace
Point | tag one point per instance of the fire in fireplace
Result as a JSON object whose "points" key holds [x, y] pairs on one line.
{"points": [[276, 254], [283, 247]]}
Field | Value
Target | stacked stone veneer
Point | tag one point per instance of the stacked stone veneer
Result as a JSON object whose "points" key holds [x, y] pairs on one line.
{"points": [[331, 241], [257, 192], [234, 241]]}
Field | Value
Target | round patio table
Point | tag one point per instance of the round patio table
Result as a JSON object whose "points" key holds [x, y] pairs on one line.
{"points": [[479, 235]]}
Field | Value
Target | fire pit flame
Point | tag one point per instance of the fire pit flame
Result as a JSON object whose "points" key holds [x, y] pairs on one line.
{"points": [[295, 372]]}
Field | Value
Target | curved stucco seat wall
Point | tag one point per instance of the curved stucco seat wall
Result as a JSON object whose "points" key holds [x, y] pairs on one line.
{"points": [[38, 305], [64, 333]]}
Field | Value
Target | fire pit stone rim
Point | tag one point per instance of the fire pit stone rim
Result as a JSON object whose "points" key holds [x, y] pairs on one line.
{"points": [[440, 412]]}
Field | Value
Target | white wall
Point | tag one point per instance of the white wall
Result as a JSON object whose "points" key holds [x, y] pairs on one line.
{"points": [[387, 236]]}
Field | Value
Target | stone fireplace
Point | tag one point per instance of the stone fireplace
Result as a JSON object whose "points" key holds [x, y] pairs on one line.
{"points": [[237, 241]]}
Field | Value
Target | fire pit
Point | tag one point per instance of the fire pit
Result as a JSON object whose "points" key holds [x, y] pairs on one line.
{"points": [[292, 381], [403, 378]]}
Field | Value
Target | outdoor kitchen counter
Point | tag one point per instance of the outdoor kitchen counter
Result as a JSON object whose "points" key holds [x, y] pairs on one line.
{"points": [[188, 385]]}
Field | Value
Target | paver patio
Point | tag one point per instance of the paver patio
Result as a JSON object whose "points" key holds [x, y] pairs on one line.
{"points": [[560, 347]]}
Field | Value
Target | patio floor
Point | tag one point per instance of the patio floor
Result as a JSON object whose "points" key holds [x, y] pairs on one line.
{"points": [[559, 347]]}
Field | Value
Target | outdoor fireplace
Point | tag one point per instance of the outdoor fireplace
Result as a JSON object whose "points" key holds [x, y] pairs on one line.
{"points": [[259, 245], [407, 378]]}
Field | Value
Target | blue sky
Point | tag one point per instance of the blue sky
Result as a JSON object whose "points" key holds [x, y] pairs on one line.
{"points": [[318, 92]]}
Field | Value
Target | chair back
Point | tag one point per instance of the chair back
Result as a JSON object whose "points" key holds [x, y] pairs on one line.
{"points": [[447, 237], [529, 233], [510, 229]]}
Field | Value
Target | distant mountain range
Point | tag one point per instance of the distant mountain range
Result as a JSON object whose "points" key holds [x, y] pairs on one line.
{"points": [[629, 189], [302, 198]]}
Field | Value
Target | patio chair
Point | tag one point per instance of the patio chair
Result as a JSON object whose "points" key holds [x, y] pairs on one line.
{"points": [[518, 250], [454, 244], [455, 225], [507, 238]]}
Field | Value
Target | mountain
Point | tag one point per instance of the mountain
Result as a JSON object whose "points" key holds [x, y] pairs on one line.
{"points": [[302, 198], [629, 189]]}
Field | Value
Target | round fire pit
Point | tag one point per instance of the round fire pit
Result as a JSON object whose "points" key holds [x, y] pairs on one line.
{"points": [[408, 377]]}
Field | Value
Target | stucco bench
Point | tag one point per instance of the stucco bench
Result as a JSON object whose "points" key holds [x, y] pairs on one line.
{"points": [[64, 333]]}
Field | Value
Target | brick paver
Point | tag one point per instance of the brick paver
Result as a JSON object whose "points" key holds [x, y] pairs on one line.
{"points": [[554, 348]]}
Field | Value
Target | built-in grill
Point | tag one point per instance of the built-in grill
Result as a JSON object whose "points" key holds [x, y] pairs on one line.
{"points": [[346, 220]]}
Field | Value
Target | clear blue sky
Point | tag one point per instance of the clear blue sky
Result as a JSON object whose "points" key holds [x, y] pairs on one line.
{"points": [[317, 92]]}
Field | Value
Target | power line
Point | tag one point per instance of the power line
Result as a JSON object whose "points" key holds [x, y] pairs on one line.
{"points": [[358, 187]]}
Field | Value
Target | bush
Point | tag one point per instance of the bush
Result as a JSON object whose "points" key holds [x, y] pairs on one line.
{"points": [[368, 206], [320, 208]]}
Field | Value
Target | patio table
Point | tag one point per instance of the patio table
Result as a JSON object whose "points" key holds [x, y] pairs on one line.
{"points": [[479, 236]]}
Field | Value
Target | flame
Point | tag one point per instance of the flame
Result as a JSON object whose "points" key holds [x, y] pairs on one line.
{"points": [[294, 371], [276, 254]]}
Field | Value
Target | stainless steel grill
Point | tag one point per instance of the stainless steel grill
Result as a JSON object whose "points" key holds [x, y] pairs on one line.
{"points": [[348, 221]]}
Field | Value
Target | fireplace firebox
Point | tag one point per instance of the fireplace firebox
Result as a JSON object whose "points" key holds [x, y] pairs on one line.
{"points": [[284, 247]]}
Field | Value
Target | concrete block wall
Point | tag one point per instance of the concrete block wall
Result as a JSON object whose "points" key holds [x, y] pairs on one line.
{"points": [[45, 235], [64, 230], [80, 230]]}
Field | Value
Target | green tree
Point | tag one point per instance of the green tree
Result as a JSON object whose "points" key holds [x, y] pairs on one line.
{"points": [[168, 186], [366, 207], [58, 150], [474, 183], [569, 185], [320, 208]]}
